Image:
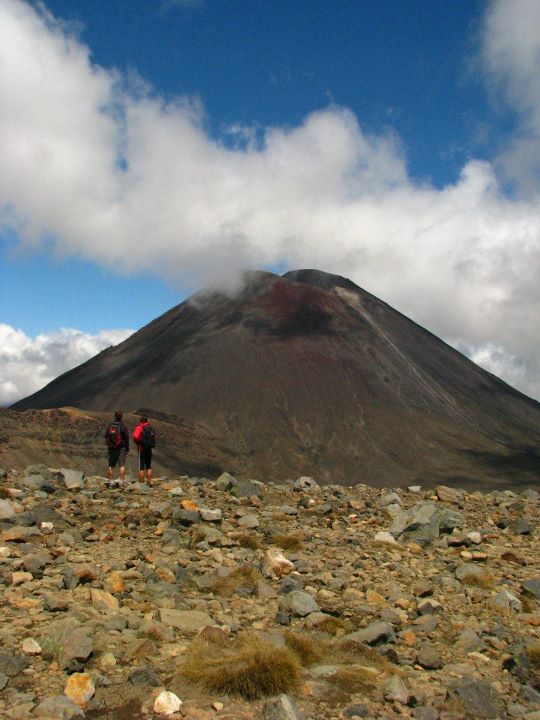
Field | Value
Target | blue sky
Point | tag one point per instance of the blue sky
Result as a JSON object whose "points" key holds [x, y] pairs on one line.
{"points": [[402, 65], [153, 147], [405, 67]]}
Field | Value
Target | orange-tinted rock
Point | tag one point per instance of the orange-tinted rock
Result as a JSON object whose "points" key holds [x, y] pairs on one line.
{"points": [[80, 688], [409, 637], [189, 505], [114, 583], [104, 601]]}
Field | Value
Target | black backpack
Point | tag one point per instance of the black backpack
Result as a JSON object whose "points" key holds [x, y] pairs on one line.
{"points": [[148, 437], [114, 435]]}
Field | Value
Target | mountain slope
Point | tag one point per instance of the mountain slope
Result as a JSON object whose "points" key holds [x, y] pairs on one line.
{"points": [[308, 373]]}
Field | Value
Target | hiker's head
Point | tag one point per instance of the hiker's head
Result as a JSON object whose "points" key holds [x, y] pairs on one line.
{"points": [[118, 415], [143, 418]]}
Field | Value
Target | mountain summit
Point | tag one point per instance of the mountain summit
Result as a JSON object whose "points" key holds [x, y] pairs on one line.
{"points": [[307, 373]]}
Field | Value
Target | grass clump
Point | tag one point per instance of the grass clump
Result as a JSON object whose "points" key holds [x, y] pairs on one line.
{"points": [[527, 604], [354, 680], [350, 652], [483, 581], [292, 541], [214, 635], [242, 580], [249, 667], [249, 541], [533, 653], [308, 651], [334, 626]]}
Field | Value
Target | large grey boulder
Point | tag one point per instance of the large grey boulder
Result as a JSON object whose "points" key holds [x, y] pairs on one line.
{"points": [[424, 522], [225, 481], [73, 479], [245, 488], [532, 587], [282, 707], [68, 642], [59, 707], [298, 603], [375, 633], [479, 698], [305, 484], [7, 510]]}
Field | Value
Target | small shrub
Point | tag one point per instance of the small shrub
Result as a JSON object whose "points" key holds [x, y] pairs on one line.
{"points": [[288, 542], [249, 541], [243, 578], [249, 667], [308, 651]]}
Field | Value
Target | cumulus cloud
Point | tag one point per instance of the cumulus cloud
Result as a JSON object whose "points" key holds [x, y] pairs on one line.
{"points": [[103, 168], [27, 364], [511, 56]]}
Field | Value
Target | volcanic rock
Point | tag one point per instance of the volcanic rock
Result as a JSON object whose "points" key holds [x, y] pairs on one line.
{"points": [[357, 627]]}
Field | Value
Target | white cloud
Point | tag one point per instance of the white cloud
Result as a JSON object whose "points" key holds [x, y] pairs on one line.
{"points": [[120, 176], [27, 364], [511, 57]]}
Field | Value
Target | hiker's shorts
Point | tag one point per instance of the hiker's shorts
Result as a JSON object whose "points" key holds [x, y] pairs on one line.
{"points": [[145, 459], [117, 456]]}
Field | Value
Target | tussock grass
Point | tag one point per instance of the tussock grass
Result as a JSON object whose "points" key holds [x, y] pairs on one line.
{"points": [[249, 541], [480, 581], [353, 680], [308, 650], [528, 604], [249, 667], [533, 653], [351, 652], [292, 541], [454, 704], [244, 577], [334, 626], [214, 635]]}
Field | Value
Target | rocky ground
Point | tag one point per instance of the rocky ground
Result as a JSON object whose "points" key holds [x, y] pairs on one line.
{"points": [[247, 601]]}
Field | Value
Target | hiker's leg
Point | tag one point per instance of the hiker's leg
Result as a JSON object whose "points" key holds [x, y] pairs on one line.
{"points": [[109, 473], [122, 463], [149, 475]]}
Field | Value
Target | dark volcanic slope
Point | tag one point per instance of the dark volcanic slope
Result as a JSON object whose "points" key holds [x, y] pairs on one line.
{"points": [[307, 373]]}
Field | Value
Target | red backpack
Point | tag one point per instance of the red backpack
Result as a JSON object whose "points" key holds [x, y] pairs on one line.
{"points": [[114, 435]]}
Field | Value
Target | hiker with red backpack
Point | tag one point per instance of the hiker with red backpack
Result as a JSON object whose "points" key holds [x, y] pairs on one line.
{"points": [[117, 439], [145, 438]]}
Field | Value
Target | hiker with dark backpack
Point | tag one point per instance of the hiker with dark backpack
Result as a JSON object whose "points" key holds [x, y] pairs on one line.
{"points": [[145, 438], [117, 439]]}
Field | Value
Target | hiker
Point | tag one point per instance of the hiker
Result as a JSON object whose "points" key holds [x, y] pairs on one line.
{"points": [[145, 438], [117, 439]]}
